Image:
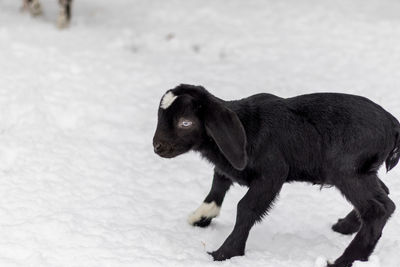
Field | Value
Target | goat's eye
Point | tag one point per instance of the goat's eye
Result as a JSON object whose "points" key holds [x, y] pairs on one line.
{"points": [[185, 123]]}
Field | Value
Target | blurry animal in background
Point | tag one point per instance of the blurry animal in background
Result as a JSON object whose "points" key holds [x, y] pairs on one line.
{"points": [[264, 141], [34, 7]]}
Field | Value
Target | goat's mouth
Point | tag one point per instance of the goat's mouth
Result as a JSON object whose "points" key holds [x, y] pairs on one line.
{"points": [[171, 153], [166, 155]]}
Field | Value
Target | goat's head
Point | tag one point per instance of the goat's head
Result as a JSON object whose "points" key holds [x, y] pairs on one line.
{"points": [[188, 116]]}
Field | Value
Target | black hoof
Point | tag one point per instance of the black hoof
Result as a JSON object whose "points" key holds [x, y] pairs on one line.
{"points": [[346, 228], [339, 264], [203, 222], [221, 254]]}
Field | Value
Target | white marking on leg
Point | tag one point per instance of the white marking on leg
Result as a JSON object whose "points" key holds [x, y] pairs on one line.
{"points": [[167, 100], [207, 210]]}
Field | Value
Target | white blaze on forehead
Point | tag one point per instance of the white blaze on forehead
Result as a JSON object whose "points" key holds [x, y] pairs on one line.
{"points": [[167, 100]]}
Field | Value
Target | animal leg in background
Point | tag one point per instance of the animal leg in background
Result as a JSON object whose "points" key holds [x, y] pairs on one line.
{"points": [[33, 6], [65, 13]]}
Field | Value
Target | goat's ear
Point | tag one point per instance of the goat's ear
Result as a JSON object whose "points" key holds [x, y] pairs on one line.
{"points": [[224, 126]]}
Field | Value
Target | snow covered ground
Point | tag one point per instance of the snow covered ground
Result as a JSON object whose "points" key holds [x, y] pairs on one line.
{"points": [[79, 182]]}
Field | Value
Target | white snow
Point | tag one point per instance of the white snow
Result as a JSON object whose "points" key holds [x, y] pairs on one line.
{"points": [[79, 182]]}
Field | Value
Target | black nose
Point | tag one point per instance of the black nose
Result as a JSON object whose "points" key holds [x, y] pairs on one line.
{"points": [[157, 147]]}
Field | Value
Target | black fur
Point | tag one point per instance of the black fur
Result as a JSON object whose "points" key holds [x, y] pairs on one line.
{"points": [[264, 141]]}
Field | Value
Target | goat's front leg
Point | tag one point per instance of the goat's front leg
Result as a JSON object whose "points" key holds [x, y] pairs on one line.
{"points": [[211, 205], [250, 209]]}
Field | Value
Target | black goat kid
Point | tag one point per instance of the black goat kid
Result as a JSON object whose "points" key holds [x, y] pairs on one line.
{"points": [[264, 141]]}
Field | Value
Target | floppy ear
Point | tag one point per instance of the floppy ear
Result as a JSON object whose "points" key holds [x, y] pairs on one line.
{"points": [[224, 126]]}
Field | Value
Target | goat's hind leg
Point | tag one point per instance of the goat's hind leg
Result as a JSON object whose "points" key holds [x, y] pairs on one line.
{"points": [[348, 225], [352, 223], [374, 207]]}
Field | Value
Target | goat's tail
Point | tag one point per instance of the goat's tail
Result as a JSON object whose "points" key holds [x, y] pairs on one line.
{"points": [[394, 155]]}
